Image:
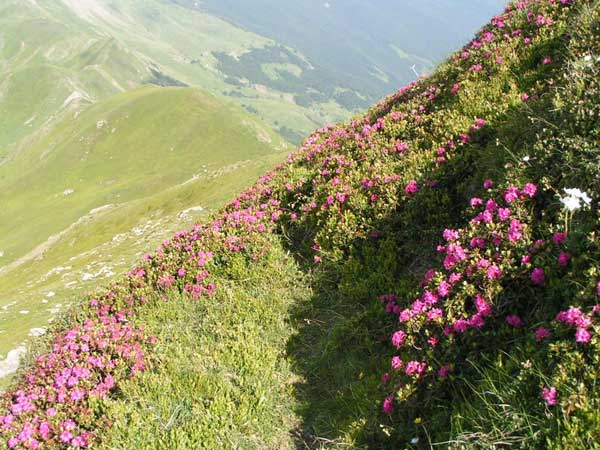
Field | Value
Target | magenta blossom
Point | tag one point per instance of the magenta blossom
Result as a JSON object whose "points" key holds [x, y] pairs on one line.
{"points": [[559, 238], [530, 189], [388, 405], [514, 321], [415, 368], [583, 336], [398, 338], [397, 363], [541, 333], [550, 396], [494, 273], [563, 258], [412, 187], [538, 276]]}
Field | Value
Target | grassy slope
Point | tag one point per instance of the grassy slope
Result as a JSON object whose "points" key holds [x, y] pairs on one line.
{"points": [[233, 368], [137, 169], [61, 78], [335, 349]]}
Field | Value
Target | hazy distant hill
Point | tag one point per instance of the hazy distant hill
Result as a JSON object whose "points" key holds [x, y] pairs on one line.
{"points": [[356, 50]]}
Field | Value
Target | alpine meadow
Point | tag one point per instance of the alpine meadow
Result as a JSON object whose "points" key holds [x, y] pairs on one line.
{"points": [[181, 268]]}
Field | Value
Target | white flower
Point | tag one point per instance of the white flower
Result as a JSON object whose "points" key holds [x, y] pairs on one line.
{"points": [[587, 58], [574, 198], [526, 158], [574, 192], [414, 440], [571, 203]]}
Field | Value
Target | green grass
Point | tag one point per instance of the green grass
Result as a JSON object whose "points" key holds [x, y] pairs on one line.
{"points": [[131, 146], [138, 170], [219, 379]]}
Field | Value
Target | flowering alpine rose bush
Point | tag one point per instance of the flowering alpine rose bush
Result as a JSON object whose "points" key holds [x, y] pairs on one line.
{"points": [[58, 403], [498, 285], [460, 299]]}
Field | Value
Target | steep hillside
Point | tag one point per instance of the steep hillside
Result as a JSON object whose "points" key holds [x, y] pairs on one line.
{"points": [[109, 170], [424, 275]]}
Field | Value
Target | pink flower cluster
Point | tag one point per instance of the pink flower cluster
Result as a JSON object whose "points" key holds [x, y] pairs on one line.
{"points": [[492, 233], [52, 406]]}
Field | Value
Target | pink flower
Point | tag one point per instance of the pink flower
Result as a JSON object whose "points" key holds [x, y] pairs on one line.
{"points": [[444, 289], [541, 333], [430, 298], [504, 214], [405, 315], [385, 379], [494, 273], [461, 325], [514, 321], [412, 187], [524, 97], [571, 317], [559, 238], [388, 405], [538, 276], [547, 60], [487, 216], [434, 314], [511, 194], [398, 338], [476, 321], [487, 184], [455, 277], [491, 205], [583, 336], [455, 88], [530, 189], [450, 235], [563, 258], [444, 371], [397, 363], [598, 288], [66, 436], [475, 201], [514, 231], [483, 307], [415, 368], [550, 396]]}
